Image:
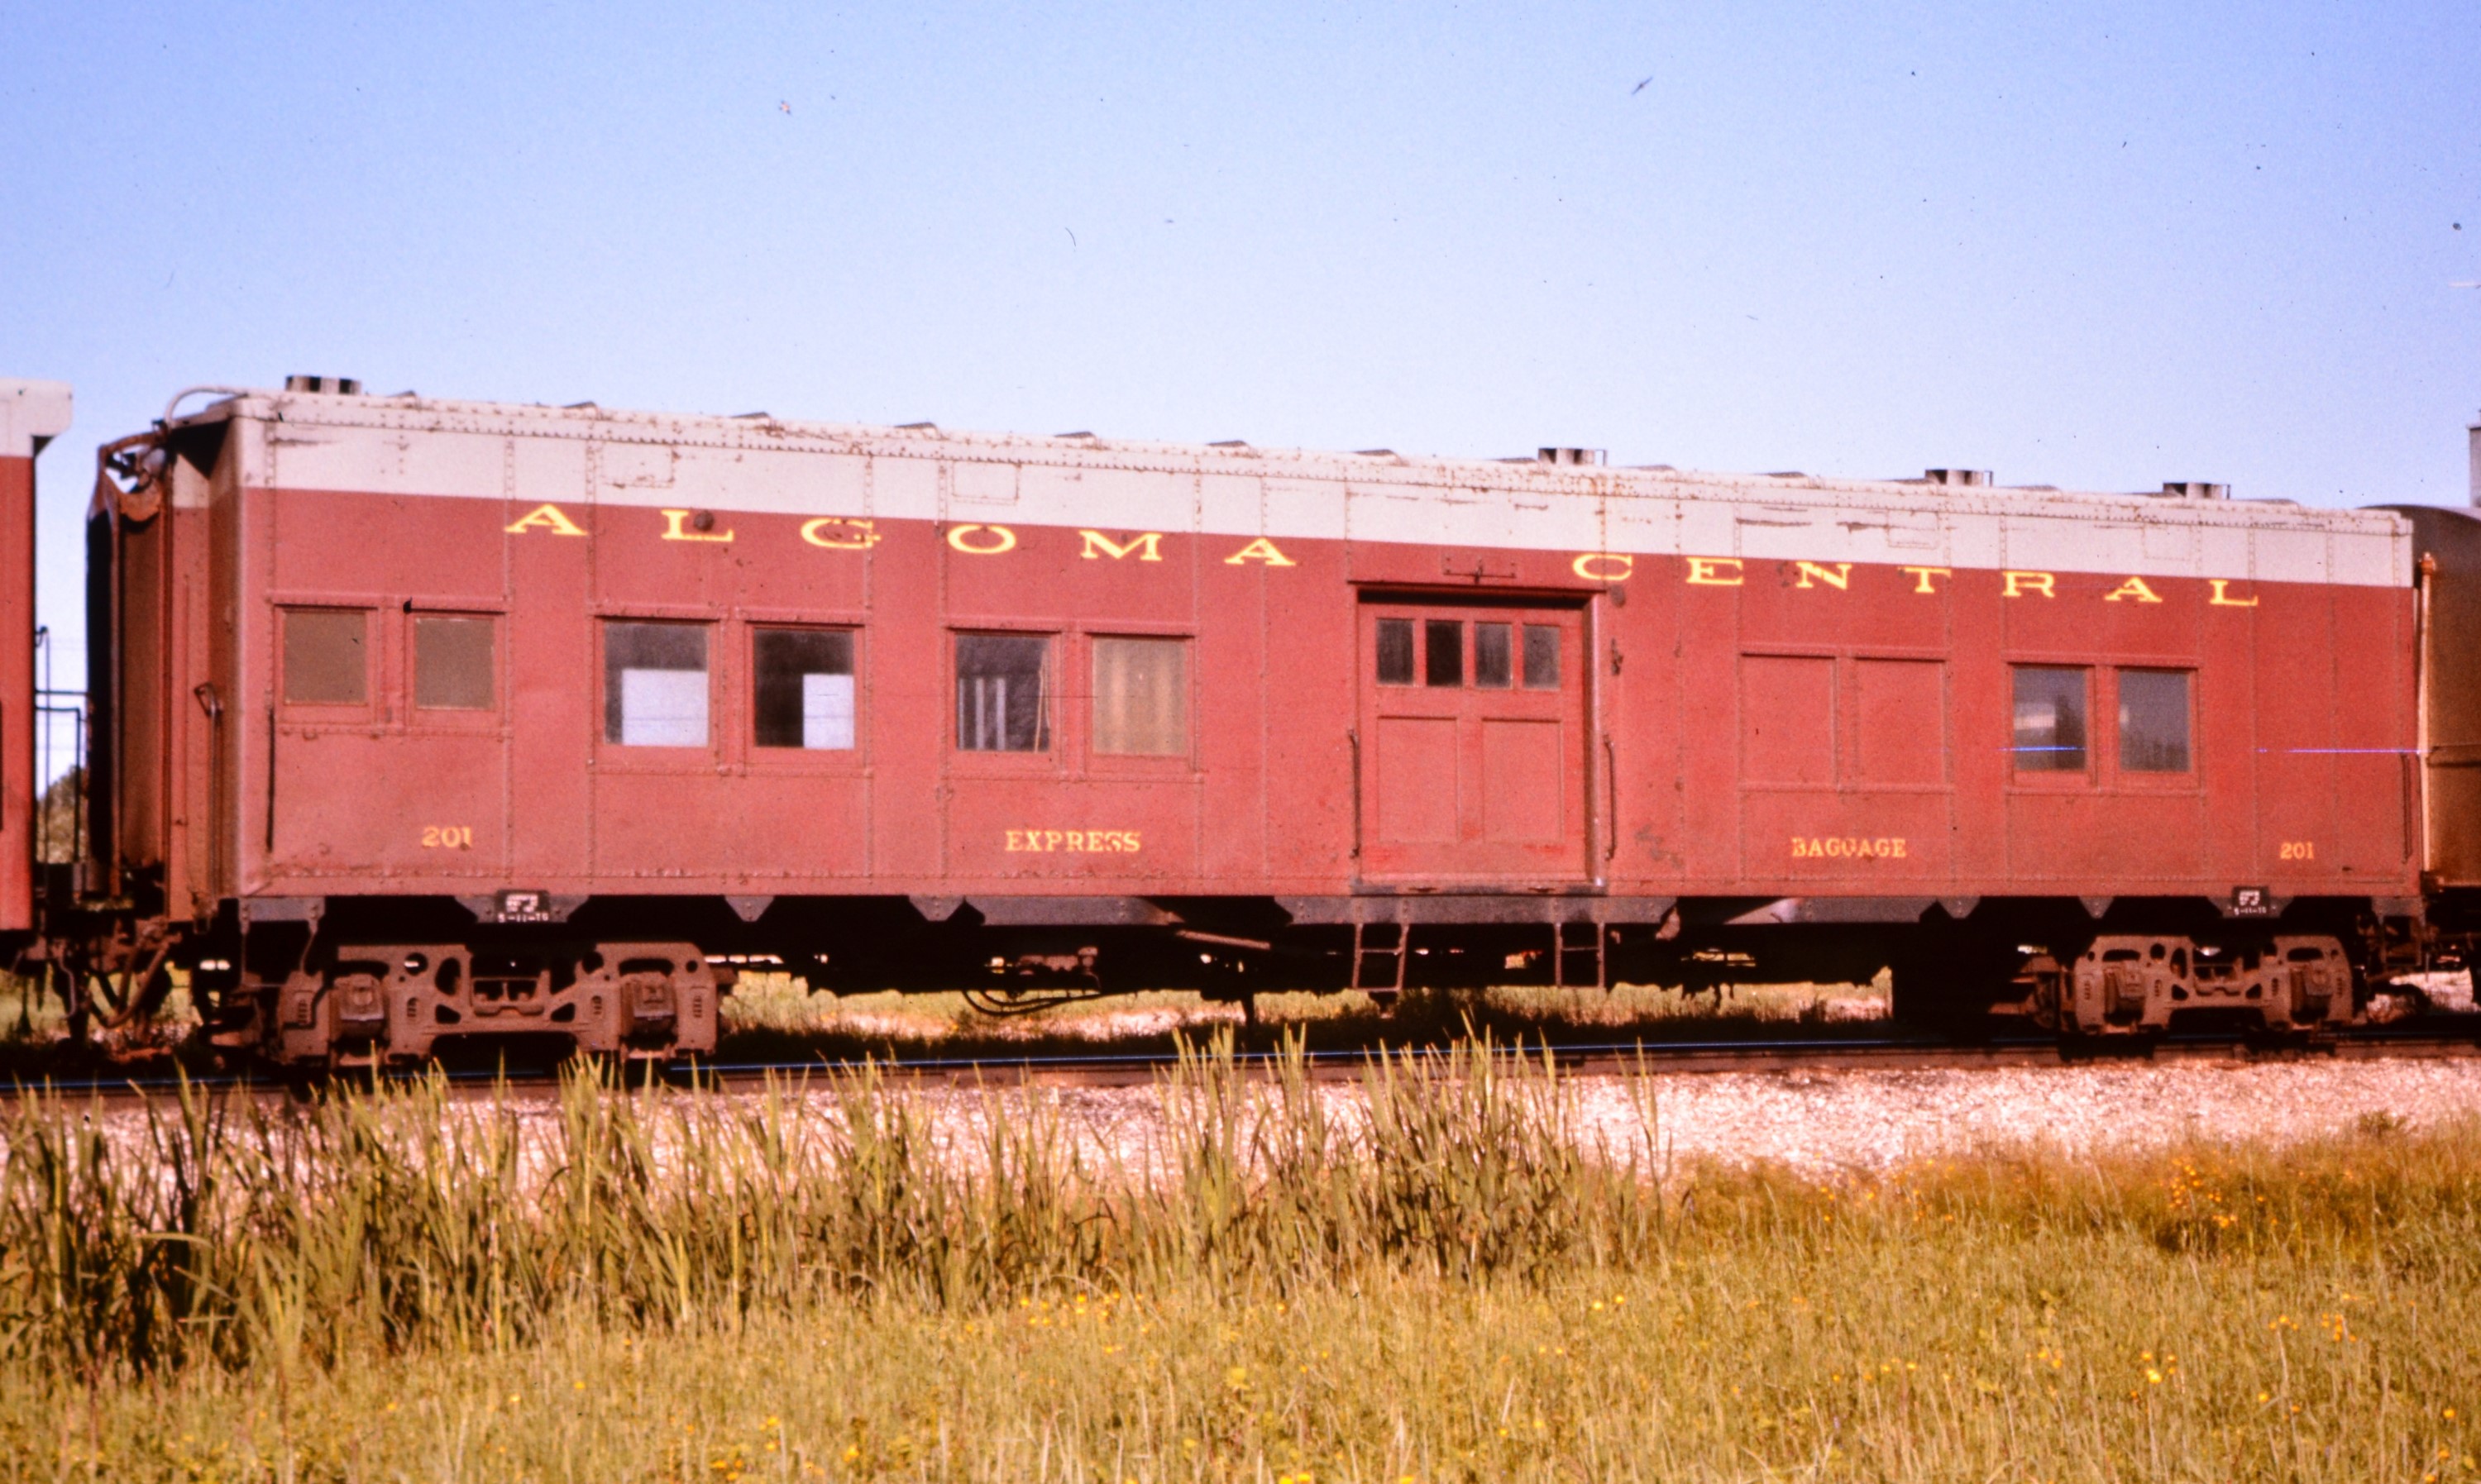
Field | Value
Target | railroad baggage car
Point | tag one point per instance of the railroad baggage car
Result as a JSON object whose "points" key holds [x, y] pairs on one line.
{"points": [[417, 718]]}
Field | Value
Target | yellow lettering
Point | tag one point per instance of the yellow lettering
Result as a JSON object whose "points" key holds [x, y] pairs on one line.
{"points": [[1603, 566], [1260, 550], [1848, 847], [672, 531], [546, 517], [2222, 597], [1144, 544], [1840, 579], [2020, 584], [1708, 572], [1074, 842], [996, 540], [837, 533], [1921, 577], [2133, 588]]}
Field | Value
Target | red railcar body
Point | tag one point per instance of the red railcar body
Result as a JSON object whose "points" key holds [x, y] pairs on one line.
{"points": [[397, 680]]}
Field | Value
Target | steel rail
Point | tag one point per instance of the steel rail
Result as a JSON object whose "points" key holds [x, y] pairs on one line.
{"points": [[1607, 1058]]}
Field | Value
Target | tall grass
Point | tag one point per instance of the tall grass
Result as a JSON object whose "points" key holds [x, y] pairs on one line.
{"points": [[1447, 1273]]}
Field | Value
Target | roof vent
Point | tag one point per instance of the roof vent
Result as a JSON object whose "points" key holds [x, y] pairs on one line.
{"points": [[332, 386], [1568, 456], [1976, 478], [2195, 489]]}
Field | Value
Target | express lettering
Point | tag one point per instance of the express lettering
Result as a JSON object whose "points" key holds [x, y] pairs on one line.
{"points": [[1074, 842]]}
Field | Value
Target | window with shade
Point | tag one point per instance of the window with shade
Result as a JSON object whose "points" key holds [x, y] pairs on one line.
{"points": [[1141, 697], [455, 662], [655, 684], [326, 657], [803, 682]]}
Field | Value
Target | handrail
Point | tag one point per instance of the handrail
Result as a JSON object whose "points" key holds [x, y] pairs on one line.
{"points": [[190, 391]]}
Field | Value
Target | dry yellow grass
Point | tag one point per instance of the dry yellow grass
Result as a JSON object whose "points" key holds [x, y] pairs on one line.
{"points": [[668, 1287]]}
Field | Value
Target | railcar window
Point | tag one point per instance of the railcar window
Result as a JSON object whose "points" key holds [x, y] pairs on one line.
{"points": [[2154, 721], [1493, 655], [1541, 657], [654, 685], [804, 681], [1394, 651], [1142, 696], [1002, 693], [326, 658], [2049, 720], [1443, 652], [453, 664]]}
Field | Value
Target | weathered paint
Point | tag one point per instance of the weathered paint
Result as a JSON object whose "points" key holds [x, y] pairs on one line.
{"points": [[1804, 691]]}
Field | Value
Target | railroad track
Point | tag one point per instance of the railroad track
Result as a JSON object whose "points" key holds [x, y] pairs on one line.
{"points": [[2461, 1039]]}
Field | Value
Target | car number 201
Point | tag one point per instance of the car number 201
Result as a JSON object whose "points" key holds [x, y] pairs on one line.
{"points": [[447, 836]]}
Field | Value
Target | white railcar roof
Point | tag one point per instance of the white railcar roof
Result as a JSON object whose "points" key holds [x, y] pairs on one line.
{"points": [[413, 445]]}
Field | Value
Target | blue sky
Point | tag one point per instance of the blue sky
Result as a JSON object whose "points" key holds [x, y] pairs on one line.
{"points": [[2098, 247]]}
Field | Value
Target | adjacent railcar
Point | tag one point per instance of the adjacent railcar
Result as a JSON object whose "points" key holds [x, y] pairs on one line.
{"points": [[420, 719], [32, 413]]}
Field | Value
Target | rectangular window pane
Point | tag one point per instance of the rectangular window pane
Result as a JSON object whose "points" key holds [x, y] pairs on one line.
{"points": [[1002, 700], [1443, 652], [1142, 696], [324, 659], [2154, 721], [654, 685], [453, 664], [1541, 657], [1394, 651], [804, 689], [1493, 655], [2049, 720]]}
